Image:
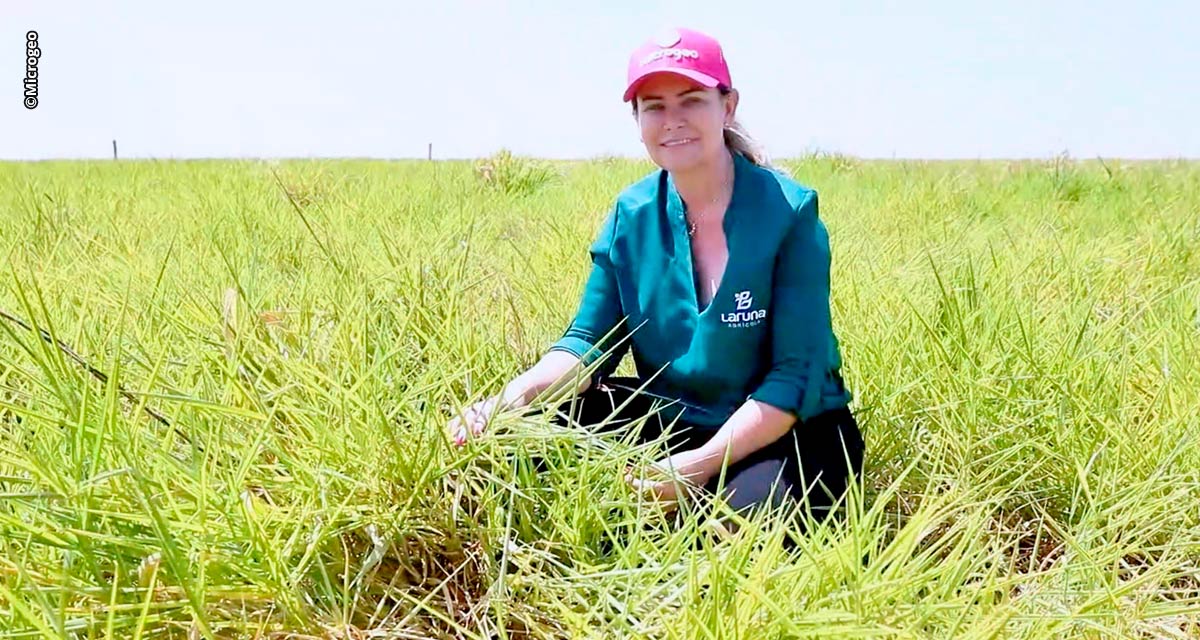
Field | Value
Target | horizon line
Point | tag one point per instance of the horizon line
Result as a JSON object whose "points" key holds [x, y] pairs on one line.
{"points": [[599, 157]]}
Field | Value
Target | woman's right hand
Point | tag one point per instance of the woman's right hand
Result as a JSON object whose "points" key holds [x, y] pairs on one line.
{"points": [[518, 393], [473, 420]]}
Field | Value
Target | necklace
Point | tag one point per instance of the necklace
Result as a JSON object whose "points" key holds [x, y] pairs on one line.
{"points": [[693, 224]]}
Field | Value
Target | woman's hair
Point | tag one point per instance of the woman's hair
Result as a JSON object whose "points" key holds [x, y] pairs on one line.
{"points": [[740, 141], [737, 138]]}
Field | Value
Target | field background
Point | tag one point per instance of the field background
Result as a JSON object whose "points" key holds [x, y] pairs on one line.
{"points": [[1021, 339]]}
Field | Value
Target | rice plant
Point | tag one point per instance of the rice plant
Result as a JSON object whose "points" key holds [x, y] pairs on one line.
{"points": [[222, 409]]}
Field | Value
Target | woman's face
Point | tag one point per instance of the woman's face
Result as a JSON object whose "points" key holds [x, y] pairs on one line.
{"points": [[682, 123]]}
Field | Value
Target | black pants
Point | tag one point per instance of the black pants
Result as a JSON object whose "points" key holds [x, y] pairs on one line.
{"points": [[809, 466]]}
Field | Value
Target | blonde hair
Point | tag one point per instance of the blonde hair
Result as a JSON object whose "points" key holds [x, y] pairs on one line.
{"points": [[739, 141]]}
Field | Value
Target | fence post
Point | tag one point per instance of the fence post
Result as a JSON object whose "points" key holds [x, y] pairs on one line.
{"points": [[114, 149], [429, 156]]}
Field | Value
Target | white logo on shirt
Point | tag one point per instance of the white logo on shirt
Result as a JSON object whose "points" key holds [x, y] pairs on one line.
{"points": [[744, 316], [743, 299]]}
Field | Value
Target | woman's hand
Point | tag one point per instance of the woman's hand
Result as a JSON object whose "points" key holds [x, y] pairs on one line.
{"points": [[554, 369], [473, 420], [684, 472]]}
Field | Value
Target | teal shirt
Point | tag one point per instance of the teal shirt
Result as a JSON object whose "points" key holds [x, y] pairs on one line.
{"points": [[767, 333]]}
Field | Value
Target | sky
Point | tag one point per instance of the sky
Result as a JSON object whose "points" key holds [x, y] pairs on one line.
{"points": [[917, 79]]}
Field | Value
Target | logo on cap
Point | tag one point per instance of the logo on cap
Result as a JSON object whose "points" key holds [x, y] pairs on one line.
{"points": [[667, 37], [678, 54]]}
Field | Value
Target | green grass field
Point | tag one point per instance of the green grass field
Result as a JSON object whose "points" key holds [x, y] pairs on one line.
{"points": [[1022, 339]]}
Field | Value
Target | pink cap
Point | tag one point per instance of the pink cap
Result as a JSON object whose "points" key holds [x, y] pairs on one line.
{"points": [[682, 51]]}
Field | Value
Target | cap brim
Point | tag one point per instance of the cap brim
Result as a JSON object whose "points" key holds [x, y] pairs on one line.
{"points": [[703, 79]]}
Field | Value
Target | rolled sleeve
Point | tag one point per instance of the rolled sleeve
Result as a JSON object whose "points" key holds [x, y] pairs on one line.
{"points": [[800, 317], [598, 329]]}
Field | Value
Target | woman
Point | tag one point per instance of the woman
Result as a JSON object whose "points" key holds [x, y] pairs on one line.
{"points": [[714, 272]]}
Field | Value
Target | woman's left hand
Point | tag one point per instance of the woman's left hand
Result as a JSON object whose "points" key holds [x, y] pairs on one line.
{"points": [[683, 471]]}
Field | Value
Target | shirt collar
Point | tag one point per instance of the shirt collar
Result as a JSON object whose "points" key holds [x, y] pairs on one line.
{"points": [[676, 215]]}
